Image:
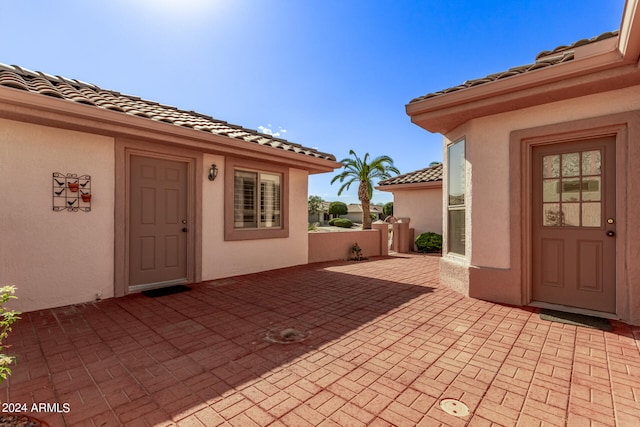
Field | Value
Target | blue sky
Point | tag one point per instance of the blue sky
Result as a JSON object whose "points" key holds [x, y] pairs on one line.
{"points": [[332, 74]]}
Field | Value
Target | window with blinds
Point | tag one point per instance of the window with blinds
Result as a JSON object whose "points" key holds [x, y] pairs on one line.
{"points": [[257, 200]]}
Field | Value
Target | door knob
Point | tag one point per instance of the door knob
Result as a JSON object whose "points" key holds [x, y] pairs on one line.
{"points": [[611, 233]]}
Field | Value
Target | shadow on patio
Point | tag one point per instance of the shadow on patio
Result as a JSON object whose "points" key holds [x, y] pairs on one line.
{"points": [[163, 358], [386, 344]]}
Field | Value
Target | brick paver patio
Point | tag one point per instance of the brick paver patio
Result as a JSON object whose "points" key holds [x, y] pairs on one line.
{"points": [[386, 344]]}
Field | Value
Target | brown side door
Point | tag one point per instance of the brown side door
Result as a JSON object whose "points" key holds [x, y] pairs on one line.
{"points": [[157, 221], [574, 250]]}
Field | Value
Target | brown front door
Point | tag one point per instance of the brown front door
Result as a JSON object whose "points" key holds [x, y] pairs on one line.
{"points": [[157, 219], [574, 250]]}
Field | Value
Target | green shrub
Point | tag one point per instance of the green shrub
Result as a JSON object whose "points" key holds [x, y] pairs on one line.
{"points": [[341, 222], [7, 318], [338, 208], [387, 209], [429, 242]]}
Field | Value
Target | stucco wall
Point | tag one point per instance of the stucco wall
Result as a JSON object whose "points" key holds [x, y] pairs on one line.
{"points": [[222, 258], [487, 153], [489, 206], [423, 207], [54, 258], [337, 245]]}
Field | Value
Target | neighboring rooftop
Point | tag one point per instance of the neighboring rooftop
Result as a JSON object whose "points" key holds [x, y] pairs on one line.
{"points": [[92, 95], [544, 59], [356, 207], [430, 174]]}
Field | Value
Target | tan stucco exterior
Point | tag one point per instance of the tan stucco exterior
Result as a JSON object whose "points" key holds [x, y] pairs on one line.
{"points": [[54, 258], [421, 203], [62, 258], [597, 94], [495, 266]]}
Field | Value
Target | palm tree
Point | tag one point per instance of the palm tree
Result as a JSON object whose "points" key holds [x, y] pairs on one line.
{"points": [[356, 169]]}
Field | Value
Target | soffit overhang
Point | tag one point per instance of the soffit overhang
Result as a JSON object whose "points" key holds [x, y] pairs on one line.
{"points": [[44, 110]]}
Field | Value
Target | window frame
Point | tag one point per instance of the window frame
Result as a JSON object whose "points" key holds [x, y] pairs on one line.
{"points": [[231, 233], [457, 207]]}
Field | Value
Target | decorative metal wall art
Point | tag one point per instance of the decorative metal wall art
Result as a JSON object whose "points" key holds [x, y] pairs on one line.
{"points": [[71, 192]]}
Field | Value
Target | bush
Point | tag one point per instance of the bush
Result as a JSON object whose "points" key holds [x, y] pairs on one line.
{"points": [[7, 318], [429, 242], [387, 209], [341, 222]]}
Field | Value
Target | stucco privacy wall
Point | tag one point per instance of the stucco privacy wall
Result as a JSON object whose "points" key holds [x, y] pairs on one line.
{"points": [[423, 207], [222, 258], [54, 258]]}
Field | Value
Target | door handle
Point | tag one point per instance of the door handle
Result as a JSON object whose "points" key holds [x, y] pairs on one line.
{"points": [[611, 233], [184, 230]]}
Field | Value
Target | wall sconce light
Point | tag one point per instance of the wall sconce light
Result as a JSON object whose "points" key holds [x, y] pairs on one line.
{"points": [[213, 172]]}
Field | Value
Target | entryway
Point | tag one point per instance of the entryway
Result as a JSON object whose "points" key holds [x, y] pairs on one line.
{"points": [[574, 223], [158, 222]]}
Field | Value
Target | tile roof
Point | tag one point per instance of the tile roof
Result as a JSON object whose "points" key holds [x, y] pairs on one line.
{"points": [[92, 95], [430, 174], [355, 208], [559, 55]]}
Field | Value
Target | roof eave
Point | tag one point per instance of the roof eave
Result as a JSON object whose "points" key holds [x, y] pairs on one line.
{"points": [[629, 39], [49, 111], [411, 186], [445, 112]]}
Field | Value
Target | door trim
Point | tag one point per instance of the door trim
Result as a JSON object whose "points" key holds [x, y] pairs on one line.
{"points": [[520, 192], [571, 240], [124, 149]]}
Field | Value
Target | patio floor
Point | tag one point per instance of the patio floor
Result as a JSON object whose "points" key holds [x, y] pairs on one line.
{"points": [[386, 343]]}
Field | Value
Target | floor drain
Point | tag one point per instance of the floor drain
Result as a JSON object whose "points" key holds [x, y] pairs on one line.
{"points": [[286, 335], [454, 407]]}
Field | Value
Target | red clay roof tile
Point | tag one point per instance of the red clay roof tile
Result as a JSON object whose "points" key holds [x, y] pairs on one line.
{"points": [[544, 59], [430, 174], [88, 94]]}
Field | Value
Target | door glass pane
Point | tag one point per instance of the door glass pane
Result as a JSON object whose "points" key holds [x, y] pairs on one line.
{"points": [[551, 190], [571, 190], [551, 166], [571, 164], [591, 216], [571, 214], [591, 163], [591, 189], [551, 216]]}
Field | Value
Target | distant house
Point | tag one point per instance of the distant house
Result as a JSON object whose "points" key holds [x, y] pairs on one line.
{"points": [[542, 187], [105, 194], [354, 212], [418, 196], [321, 217]]}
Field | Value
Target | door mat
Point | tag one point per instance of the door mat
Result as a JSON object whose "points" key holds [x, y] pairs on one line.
{"points": [[576, 319], [169, 290]]}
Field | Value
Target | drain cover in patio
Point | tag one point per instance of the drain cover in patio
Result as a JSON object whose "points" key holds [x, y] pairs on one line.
{"points": [[285, 335]]}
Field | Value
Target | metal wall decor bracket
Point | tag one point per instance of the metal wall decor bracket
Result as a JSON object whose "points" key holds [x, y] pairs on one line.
{"points": [[71, 192]]}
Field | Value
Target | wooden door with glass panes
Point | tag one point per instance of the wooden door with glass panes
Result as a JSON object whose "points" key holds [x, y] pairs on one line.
{"points": [[573, 224]]}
